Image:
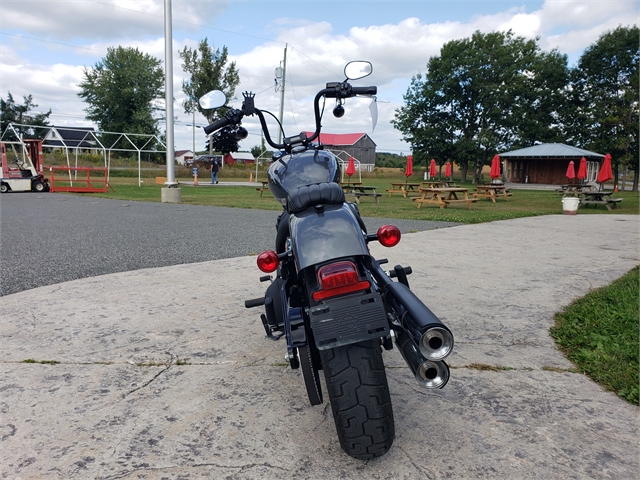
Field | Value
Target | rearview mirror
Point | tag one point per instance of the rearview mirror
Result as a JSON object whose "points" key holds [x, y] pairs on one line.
{"points": [[213, 99], [357, 69]]}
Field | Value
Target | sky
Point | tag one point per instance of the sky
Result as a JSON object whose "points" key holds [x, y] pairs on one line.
{"points": [[46, 45]]}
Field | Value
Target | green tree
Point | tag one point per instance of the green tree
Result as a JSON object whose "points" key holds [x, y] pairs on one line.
{"points": [[207, 71], [120, 90], [606, 91], [224, 140], [13, 112], [481, 95]]}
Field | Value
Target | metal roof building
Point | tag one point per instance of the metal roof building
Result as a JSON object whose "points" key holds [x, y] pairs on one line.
{"points": [[547, 163]]}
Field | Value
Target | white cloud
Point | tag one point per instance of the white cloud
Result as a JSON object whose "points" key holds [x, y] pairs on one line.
{"points": [[107, 19], [316, 53]]}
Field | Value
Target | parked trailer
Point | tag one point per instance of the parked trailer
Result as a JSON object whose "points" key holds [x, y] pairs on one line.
{"points": [[24, 172]]}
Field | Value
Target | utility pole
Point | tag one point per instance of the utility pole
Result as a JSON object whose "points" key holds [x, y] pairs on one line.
{"points": [[170, 193], [284, 76]]}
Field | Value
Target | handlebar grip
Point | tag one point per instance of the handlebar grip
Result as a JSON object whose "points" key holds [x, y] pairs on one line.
{"points": [[364, 90], [217, 125]]}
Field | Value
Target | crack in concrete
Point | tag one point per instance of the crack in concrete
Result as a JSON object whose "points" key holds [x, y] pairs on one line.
{"points": [[146, 384], [241, 468]]}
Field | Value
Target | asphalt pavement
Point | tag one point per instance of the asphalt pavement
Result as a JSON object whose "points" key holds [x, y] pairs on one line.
{"points": [[161, 373], [50, 238]]}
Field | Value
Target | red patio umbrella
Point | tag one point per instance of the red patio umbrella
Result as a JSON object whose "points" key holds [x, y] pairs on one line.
{"points": [[582, 169], [495, 167], [571, 171], [432, 169], [408, 171], [447, 170], [351, 168], [605, 172]]}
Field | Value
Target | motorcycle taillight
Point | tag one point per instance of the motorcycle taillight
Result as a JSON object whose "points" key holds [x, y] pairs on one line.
{"points": [[337, 279]]}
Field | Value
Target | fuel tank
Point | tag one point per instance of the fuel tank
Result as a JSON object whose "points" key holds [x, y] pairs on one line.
{"points": [[290, 172]]}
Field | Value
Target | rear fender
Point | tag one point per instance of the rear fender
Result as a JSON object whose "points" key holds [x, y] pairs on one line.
{"points": [[320, 236]]}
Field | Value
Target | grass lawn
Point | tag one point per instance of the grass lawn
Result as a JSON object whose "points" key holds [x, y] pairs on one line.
{"points": [[599, 333], [523, 203]]}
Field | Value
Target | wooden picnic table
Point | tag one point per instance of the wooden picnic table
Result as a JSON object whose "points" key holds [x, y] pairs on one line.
{"points": [[444, 196], [403, 188], [362, 191], [347, 186], [492, 191], [600, 198], [565, 190], [264, 187], [438, 184]]}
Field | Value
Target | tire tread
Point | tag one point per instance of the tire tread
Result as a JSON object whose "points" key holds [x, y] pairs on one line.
{"points": [[359, 393]]}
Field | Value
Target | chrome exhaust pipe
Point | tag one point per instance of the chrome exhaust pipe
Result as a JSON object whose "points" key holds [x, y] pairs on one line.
{"points": [[430, 374], [431, 336]]}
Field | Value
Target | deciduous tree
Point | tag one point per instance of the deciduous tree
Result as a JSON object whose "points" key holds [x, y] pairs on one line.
{"points": [[121, 89], [481, 95], [208, 70], [13, 112], [606, 90]]}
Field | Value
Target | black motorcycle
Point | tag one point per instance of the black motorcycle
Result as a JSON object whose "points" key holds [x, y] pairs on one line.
{"points": [[331, 301]]}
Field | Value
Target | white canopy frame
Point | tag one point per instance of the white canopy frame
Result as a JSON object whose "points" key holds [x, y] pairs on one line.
{"points": [[89, 135]]}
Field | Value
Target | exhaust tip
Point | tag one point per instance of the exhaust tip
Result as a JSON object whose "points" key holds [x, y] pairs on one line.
{"points": [[436, 343], [433, 374]]}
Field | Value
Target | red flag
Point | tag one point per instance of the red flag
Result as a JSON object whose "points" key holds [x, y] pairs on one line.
{"points": [[408, 171], [432, 168], [605, 172], [495, 167], [582, 170], [571, 170], [447, 169], [351, 168]]}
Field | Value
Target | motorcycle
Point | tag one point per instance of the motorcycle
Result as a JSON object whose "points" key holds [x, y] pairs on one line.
{"points": [[330, 299]]}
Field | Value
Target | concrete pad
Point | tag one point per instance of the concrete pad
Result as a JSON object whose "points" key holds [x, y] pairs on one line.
{"points": [[162, 375]]}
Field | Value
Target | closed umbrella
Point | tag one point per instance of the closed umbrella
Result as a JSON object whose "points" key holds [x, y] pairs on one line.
{"points": [[447, 170], [582, 169], [495, 167], [571, 171], [432, 169], [351, 168], [605, 172], [408, 171]]}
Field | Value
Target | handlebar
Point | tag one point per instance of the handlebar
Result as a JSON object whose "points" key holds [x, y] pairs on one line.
{"points": [[333, 90], [217, 125]]}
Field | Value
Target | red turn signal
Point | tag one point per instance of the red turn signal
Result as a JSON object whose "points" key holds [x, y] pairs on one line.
{"points": [[268, 261], [389, 235]]}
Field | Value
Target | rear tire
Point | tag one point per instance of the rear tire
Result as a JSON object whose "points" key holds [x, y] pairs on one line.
{"points": [[360, 400]]}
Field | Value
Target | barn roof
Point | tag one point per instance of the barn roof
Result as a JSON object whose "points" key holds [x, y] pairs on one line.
{"points": [[242, 155], [339, 138], [551, 150]]}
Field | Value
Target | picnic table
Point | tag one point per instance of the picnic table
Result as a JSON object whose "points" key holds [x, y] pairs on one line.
{"points": [[403, 188], [263, 188], [492, 191], [565, 190], [347, 186], [437, 184], [600, 198], [359, 190], [444, 196]]}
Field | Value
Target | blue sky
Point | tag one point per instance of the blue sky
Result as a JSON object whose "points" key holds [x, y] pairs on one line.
{"points": [[46, 44]]}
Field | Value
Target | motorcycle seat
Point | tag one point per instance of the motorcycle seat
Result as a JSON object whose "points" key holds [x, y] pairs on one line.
{"points": [[318, 194]]}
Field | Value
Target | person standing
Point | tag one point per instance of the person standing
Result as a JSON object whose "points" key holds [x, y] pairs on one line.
{"points": [[214, 171]]}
